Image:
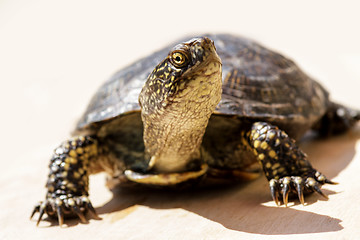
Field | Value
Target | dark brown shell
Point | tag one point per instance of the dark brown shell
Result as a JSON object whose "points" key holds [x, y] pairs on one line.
{"points": [[257, 84]]}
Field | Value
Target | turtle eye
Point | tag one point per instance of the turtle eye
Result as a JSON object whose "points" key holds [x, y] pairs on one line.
{"points": [[179, 59]]}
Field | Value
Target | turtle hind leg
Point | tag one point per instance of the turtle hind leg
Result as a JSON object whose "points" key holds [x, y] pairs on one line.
{"points": [[337, 119], [285, 166], [68, 180]]}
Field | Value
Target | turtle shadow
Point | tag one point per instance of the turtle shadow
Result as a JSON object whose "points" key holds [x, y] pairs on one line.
{"points": [[245, 207]]}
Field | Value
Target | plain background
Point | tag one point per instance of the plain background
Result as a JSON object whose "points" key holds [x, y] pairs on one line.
{"points": [[55, 54]]}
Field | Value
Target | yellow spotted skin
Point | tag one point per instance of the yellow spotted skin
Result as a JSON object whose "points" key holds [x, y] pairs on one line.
{"points": [[68, 180], [284, 164], [277, 153]]}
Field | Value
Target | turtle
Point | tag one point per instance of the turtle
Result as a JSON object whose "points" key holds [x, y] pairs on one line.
{"points": [[210, 108]]}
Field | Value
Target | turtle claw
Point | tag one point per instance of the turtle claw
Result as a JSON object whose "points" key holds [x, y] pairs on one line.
{"points": [[330, 182], [41, 214], [274, 191], [36, 209], [60, 216], [296, 184], [300, 191], [312, 184], [79, 214], [286, 189], [317, 189], [63, 207]]}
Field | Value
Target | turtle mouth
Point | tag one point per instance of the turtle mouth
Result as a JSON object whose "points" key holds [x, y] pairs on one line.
{"points": [[203, 51]]}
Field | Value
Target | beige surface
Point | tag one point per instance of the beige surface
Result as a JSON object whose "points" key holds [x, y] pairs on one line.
{"points": [[53, 56]]}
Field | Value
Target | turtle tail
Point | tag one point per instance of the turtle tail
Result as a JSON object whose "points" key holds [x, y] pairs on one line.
{"points": [[337, 119]]}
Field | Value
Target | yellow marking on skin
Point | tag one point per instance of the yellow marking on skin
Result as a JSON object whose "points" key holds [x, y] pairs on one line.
{"points": [[281, 170], [52, 178], [64, 182], [293, 156], [256, 143], [160, 69], [255, 152], [84, 156], [277, 141], [72, 160], [287, 145], [81, 171], [264, 145], [66, 166], [268, 165], [72, 153], [76, 175], [272, 154], [276, 165], [73, 143], [261, 156], [166, 74], [70, 186], [79, 151], [274, 172], [271, 135], [256, 135]]}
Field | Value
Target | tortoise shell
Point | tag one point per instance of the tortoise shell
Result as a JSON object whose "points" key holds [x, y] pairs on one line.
{"points": [[258, 84]]}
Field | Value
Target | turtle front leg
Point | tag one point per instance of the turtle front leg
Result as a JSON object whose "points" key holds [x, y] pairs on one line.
{"points": [[68, 180], [285, 165]]}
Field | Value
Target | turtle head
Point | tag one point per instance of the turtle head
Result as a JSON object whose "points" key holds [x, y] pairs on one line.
{"points": [[176, 103], [190, 66]]}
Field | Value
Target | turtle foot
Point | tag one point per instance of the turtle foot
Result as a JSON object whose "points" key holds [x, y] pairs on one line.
{"points": [[282, 187], [64, 206]]}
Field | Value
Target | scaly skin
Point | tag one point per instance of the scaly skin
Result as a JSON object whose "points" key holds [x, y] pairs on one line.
{"points": [[286, 166], [68, 180]]}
